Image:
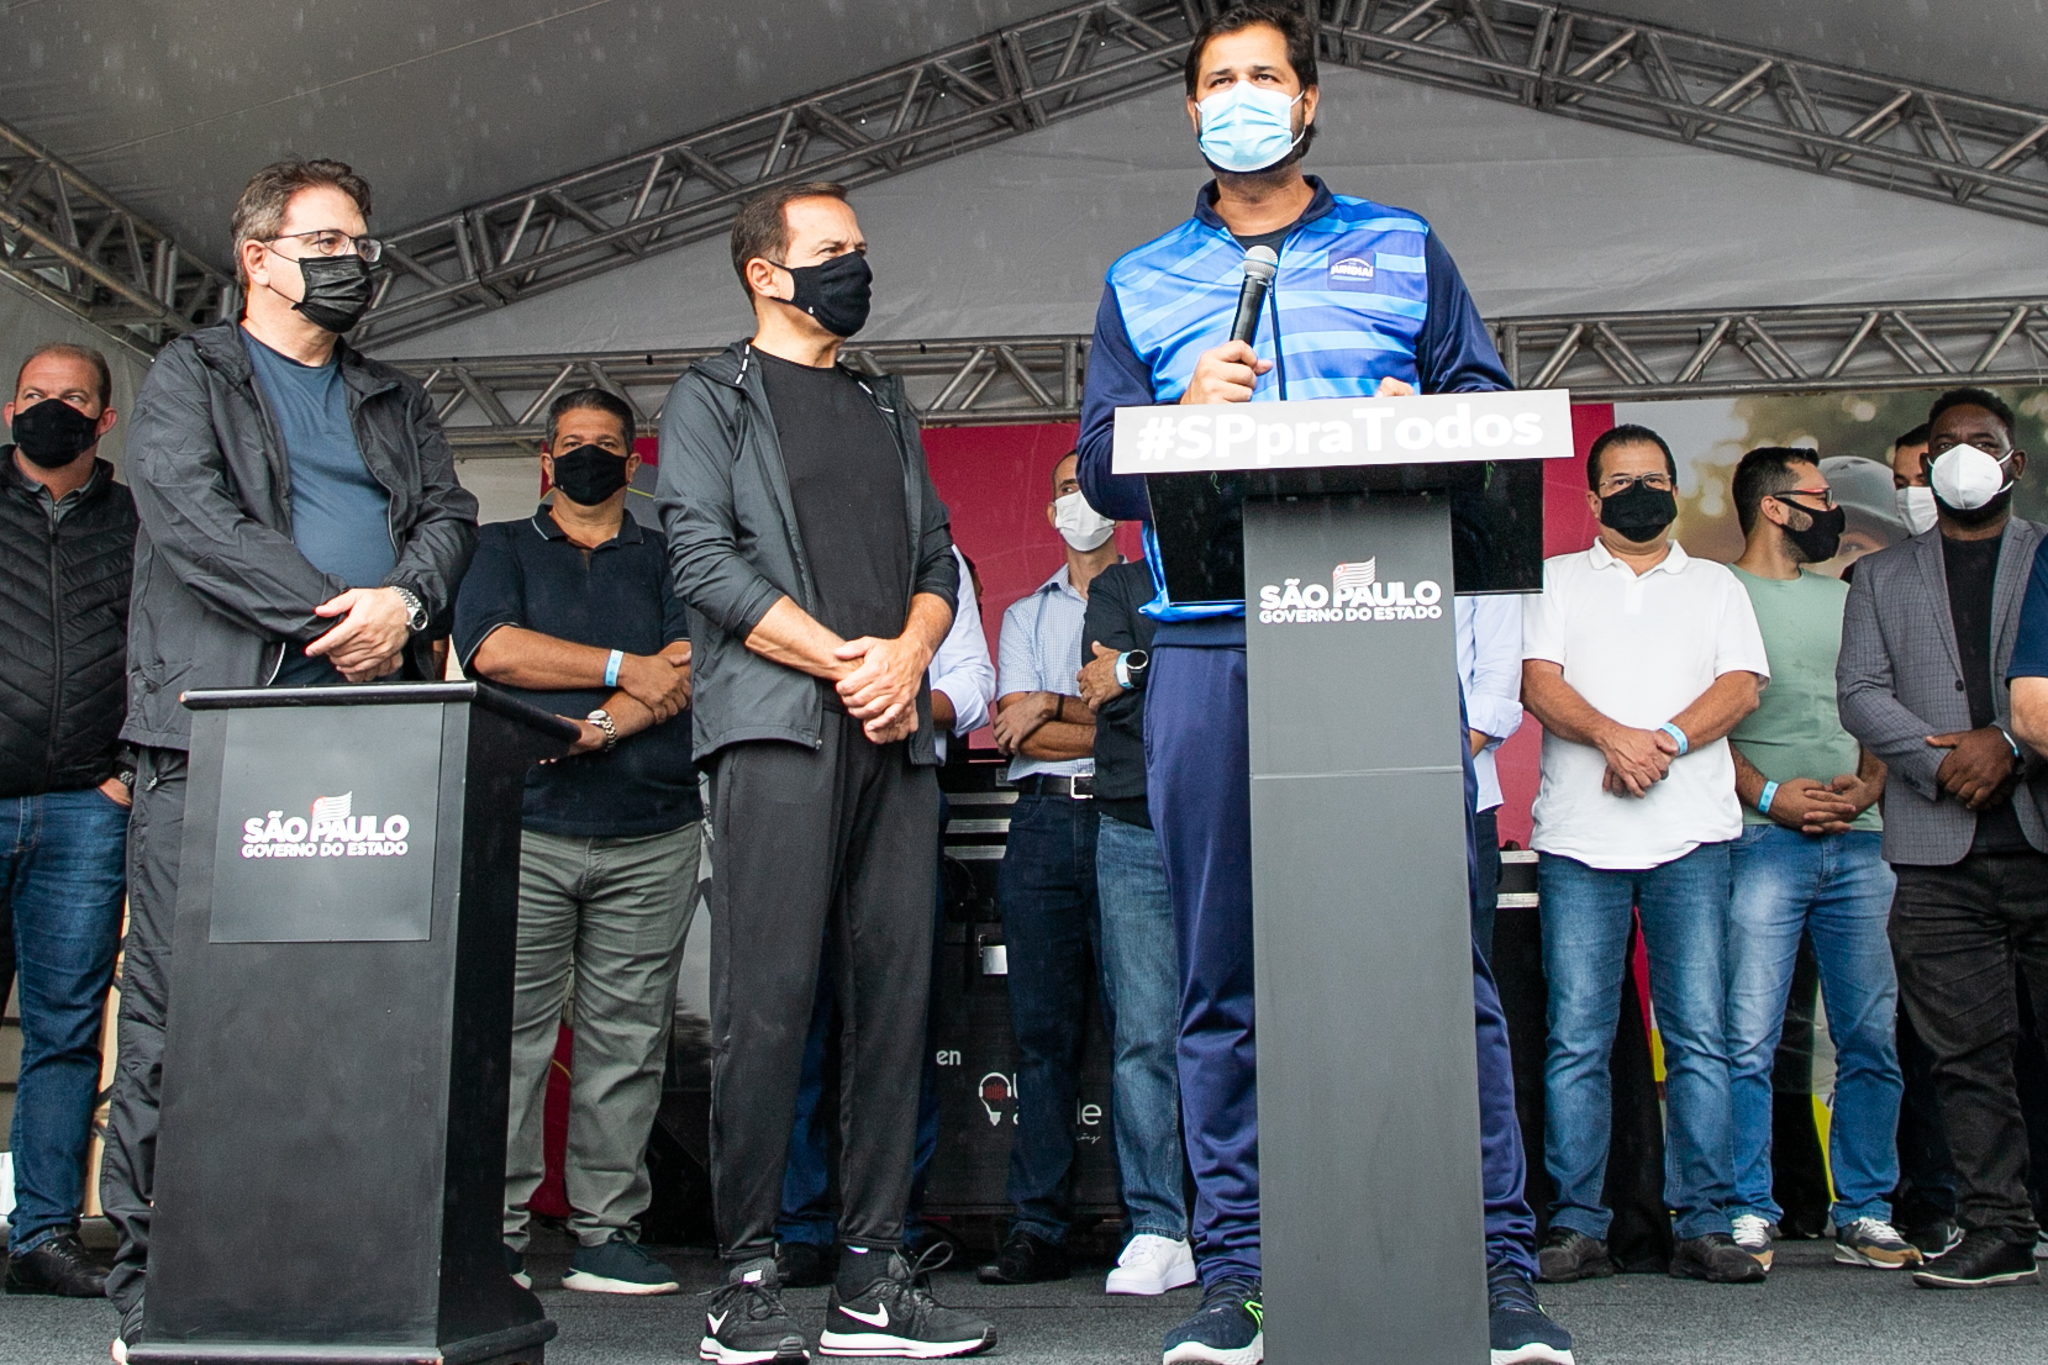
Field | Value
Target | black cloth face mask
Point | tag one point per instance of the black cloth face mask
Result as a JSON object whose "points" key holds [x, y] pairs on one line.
{"points": [[1822, 536], [338, 290], [1639, 512], [53, 433], [589, 474], [837, 292]]}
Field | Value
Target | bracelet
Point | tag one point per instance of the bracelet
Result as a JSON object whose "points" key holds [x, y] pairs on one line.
{"points": [[611, 667], [1684, 744], [1123, 671], [1763, 802], [2013, 742]]}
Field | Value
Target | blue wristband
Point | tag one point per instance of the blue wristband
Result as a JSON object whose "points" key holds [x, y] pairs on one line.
{"points": [[611, 668], [1763, 802], [1684, 744]]}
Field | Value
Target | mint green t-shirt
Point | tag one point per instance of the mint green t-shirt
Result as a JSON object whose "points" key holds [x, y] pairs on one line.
{"points": [[1796, 731]]}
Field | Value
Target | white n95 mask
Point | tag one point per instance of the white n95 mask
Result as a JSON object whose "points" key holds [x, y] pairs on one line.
{"points": [[1966, 478], [1080, 525], [1916, 509]]}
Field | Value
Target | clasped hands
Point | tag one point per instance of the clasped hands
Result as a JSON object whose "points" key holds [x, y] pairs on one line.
{"points": [[881, 683], [1980, 768], [369, 641]]}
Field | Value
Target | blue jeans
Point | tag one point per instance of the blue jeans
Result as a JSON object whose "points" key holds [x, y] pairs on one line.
{"points": [[1046, 888], [1838, 888], [1141, 983], [1684, 908], [61, 871]]}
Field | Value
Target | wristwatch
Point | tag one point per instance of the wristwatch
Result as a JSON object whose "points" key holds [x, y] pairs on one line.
{"points": [[415, 610], [602, 719], [1130, 668]]}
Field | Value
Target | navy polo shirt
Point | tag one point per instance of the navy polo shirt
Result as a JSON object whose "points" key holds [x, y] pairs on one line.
{"points": [[617, 596]]}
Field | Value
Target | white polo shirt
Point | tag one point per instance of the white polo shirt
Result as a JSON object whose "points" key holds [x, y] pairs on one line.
{"points": [[1639, 650]]}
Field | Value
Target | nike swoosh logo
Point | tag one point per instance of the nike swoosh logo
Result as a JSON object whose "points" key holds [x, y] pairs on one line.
{"points": [[879, 1318], [714, 1323]]}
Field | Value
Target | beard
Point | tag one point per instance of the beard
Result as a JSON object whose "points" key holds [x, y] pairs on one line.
{"points": [[1281, 172]]}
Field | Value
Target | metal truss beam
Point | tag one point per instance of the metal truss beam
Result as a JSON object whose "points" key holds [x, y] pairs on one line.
{"points": [[1894, 134], [495, 406], [994, 87], [72, 242]]}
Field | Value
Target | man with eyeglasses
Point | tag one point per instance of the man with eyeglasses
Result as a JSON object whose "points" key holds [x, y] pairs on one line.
{"points": [[1931, 633], [300, 524], [1808, 861], [1638, 659]]}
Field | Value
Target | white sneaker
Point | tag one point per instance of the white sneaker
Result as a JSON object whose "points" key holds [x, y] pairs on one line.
{"points": [[1755, 1235], [1150, 1266]]}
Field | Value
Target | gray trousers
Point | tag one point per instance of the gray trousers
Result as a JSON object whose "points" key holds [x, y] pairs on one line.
{"points": [[156, 831], [602, 924], [836, 840]]}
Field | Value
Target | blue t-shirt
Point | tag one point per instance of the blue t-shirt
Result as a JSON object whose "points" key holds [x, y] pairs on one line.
{"points": [[341, 515], [2030, 649]]}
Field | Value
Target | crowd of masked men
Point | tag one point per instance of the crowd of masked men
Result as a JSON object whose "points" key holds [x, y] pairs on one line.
{"points": [[1736, 758]]}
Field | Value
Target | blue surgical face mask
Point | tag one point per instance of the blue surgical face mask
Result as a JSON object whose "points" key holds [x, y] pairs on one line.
{"points": [[1247, 128]]}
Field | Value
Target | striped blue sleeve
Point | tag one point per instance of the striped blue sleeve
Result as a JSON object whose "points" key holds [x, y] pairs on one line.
{"points": [[1454, 352], [1117, 378]]}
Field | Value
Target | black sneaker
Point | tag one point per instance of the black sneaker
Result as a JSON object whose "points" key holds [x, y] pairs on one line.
{"points": [[747, 1324], [1522, 1333], [58, 1267], [1026, 1258], [1716, 1258], [1568, 1255], [130, 1333], [515, 1266], [619, 1266], [1986, 1259], [894, 1314], [1228, 1329], [804, 1265], [1937, 1239]]}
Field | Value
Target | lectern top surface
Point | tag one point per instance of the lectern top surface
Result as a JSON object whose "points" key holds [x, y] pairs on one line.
{"points": [[380, 694]]}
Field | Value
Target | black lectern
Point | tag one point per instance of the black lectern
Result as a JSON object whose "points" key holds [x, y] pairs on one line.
{"points": [[331, 1165], [1360, 519]]}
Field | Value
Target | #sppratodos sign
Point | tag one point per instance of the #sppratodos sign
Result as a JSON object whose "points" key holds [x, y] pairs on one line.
{"points": [[1325, 432]]}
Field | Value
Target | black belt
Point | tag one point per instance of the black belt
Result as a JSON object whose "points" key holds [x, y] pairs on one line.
{"points": [[1045, 784]]}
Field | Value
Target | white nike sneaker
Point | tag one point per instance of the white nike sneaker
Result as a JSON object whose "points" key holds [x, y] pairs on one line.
{"points": [[1150, 1266]]}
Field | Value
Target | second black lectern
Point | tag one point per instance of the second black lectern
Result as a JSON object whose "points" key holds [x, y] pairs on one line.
{"points": [[1346, 527], [331, 1164]]}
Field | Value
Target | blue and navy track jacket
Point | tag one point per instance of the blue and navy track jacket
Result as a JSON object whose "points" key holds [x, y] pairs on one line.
{"points": [[1364, 292]]}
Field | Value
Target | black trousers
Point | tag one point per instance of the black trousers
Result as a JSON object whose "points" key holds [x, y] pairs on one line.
{"points": [[806, 843], [156, 829], [1960, 933]]}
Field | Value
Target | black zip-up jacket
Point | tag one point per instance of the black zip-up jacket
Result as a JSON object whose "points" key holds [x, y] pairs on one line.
{"points": [[734, 547], [219, 585], [64, 604]]}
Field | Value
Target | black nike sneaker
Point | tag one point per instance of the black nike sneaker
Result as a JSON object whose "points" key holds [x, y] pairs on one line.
{"points": [[1228, 1329], [1522, 1333], [747, 1324], [894, 1313]]}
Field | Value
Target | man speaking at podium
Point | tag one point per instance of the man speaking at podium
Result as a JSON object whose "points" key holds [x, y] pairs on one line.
{"points": [[1370, 303]]}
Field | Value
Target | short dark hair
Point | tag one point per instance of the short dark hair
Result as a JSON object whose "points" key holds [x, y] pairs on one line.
{"points": [[1294, 26], [1763, 472], [259, 213], [1628, 433], [761, 227], [72, 351], [1975, 398], [592, 399], [1916, 437], [1054, 472]]}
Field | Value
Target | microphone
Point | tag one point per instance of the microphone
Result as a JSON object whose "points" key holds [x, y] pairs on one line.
{"points": [[1260, 265]]}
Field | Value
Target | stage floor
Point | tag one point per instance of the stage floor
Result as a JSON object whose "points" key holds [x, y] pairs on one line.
{"points": [[1812, 1312]]}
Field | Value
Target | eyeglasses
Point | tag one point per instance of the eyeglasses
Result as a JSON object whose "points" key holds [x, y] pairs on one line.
{"points": [[1621, 483], [1826, 496], [1987, 443], [334, 242]]}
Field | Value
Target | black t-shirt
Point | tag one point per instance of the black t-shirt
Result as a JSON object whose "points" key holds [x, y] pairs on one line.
{"points": [[618, 596], [1972, 570], [1113, 618], [846, 477]]}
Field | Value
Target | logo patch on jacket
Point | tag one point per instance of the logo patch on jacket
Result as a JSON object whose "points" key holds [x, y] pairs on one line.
{"points": [[1352, 272]]}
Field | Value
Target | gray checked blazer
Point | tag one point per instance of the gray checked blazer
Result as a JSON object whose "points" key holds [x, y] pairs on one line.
{"points": [[1899, 679]]}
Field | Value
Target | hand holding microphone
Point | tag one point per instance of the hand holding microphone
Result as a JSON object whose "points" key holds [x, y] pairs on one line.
{"points": [[1227, 373]]}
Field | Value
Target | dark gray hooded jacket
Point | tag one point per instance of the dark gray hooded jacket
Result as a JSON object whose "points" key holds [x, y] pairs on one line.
{"points": [[734, 548], [219, 584]]}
